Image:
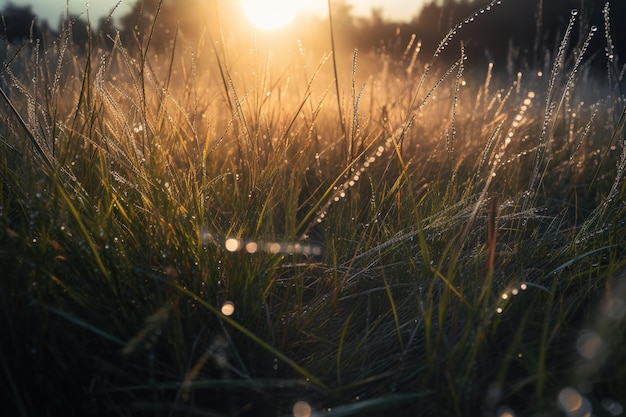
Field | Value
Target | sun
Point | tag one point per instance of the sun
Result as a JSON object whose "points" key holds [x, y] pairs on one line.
{"points": [[270, 14]]}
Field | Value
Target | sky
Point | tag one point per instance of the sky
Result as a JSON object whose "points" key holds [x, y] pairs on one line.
{"points": [[52, 9]]}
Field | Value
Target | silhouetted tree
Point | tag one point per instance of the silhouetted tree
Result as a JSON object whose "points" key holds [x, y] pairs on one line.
{"points": [[520, 31], [190, 18], [19, 23], [376, 17]]}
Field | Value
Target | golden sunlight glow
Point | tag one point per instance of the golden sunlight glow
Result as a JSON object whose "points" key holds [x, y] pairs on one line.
{"points": [[270, 14]]}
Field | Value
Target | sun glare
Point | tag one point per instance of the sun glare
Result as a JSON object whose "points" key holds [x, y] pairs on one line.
{"points": [[270, 14]]}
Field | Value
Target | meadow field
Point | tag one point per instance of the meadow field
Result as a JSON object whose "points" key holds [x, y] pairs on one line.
{"points": [[255, 227]]}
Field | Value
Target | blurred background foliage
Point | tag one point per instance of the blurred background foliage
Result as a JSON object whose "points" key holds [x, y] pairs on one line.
{"points": [[521, 33]]}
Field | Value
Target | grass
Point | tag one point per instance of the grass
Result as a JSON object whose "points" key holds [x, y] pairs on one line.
{"points": [[472, 227]]}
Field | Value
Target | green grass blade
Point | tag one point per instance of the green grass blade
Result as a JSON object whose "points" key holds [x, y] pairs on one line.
{"points": [[394, 311], [238, 326], [21, 408], [82, 323], [342, 338], [85, 234], [376, 405]]}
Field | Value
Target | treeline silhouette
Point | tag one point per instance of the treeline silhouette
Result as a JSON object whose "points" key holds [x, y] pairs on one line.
{"points": [[520, 33], [20, 24]]}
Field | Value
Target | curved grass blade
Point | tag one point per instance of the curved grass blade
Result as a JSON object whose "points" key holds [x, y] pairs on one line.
{"points": [[79, 322], [380, 405], [255, 338]]}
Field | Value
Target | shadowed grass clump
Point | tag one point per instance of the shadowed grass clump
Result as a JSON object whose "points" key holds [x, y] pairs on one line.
{"points": [[191, 234]]}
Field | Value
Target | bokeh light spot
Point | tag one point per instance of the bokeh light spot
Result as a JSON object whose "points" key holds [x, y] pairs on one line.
{"points": [[570, 400], [274, 247], [589, 344], [228, 308], [613, 407], [615, 308], [316, 250], [301, 409], [505, 411], [252, 247], [232, 244]]}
